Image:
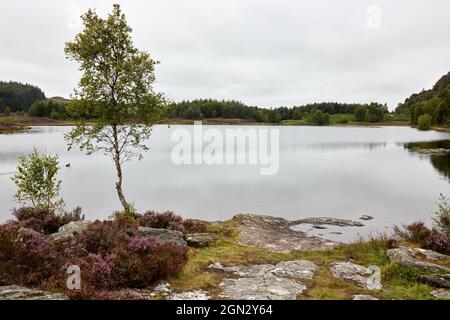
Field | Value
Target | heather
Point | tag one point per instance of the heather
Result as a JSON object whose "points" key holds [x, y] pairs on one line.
{"points": [[112, 255]]}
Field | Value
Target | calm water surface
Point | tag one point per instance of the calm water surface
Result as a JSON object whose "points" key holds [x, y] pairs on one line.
{"points": [[324, 171]]}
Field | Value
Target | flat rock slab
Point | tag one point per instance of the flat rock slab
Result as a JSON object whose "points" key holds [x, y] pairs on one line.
{"points": [[266, 288], [441, 293], [275, 234], [436, 280], [287, 269], [22, 293], [164, 235], [265, 281], [354, 272], [328, 221], [407, 257], [364, 297]]}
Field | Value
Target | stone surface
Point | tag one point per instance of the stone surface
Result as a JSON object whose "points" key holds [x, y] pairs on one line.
{"points": [[275, 234], [68, 230], [164, 235], [432, 255], [199, 240], [406, 256], [436, 280], [366, 217], [263, 288], [441, 293], [328, 221], [288, 269], [364, 297], [355, 273], [265, 281], [189, 295], [22, 293]]}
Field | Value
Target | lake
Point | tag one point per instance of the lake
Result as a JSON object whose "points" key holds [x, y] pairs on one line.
{"points": [[342, 172]]}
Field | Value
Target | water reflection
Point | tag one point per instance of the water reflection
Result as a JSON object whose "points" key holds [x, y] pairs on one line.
{"points": [[437, 151]]}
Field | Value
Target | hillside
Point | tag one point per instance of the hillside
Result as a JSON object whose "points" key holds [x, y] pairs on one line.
{"points": [[18, 96], [435, 102]]}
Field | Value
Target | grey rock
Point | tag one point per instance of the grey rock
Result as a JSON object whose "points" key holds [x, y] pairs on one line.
{"points": [[328, 221], [355, 273], [366, 217], [364, 297], [432, 255], [68, 230], [163, 235], [264, 288], [436, 280], [22, 293], [275, 234], [287, 269], [441, 293], [189, 295], [199, 240], [406, 257]]}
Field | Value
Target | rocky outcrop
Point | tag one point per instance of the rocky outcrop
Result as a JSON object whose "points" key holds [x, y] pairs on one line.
{"points": [[364, 297], [265, 281], [275, 234], [407, 257], [288, 269], [199, 240], [328, 221], [164, 235], [366, 217], [68, 230], [441, 293], [355, 273], [22, 293], [436, 280]]}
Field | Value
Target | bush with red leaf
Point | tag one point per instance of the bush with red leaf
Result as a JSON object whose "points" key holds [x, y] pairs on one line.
{"points": [[165, 220], [195, 226], [415, 232], [44, 221]]}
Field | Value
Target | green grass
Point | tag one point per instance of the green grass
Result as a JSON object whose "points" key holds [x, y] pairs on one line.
{"points": [[399, 282]]}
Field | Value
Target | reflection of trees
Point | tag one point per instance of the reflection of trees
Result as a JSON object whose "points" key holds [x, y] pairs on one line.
{"points": [[440, 161], [442, 164]]}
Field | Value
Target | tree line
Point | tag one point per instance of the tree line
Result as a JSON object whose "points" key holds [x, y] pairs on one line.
{"points": [[16, 96], [429, 107]]}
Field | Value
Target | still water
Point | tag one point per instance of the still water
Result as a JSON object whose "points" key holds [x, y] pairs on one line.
{"points": [[342, 172]]}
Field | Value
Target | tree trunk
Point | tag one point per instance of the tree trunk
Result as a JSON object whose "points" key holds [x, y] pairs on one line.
{"points": [[122, 199]]}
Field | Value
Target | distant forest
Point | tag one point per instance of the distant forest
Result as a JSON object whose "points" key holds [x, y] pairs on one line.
{"points": [[18, 97], [434, 102]]}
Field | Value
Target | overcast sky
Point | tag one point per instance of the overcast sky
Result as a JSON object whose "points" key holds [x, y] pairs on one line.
{"points": [[266, 53]]}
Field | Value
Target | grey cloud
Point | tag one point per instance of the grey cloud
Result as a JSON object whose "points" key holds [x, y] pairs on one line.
{"points": [[266, 53]]}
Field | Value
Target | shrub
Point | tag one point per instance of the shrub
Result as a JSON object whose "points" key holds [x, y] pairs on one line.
{"points": [[438, 242], [424, 122], [416, 233], [36, 181], [44, 221], [442, 217], [26, 256], [195, 226], [165, 220], [360, 113], [318, 118]]}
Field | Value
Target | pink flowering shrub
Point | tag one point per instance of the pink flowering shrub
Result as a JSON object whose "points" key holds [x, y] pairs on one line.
{"points": [[165, 220], [44, 221]]}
